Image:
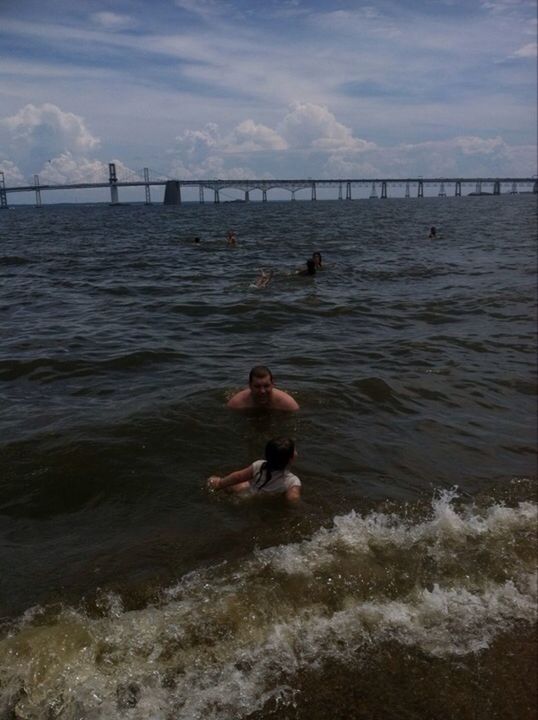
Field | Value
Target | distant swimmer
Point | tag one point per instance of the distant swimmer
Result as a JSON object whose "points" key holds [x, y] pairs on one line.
{"points": [[433, 233], [263, 279], [310, 268], [231, 239], [316, 257], [261, 393], [269, 476], [196, 240]]}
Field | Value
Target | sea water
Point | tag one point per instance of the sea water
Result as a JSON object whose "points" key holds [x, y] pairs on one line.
{"points": [[402, 585]]}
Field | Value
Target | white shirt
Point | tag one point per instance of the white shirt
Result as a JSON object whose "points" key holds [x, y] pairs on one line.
{"points": [[280, 482]]}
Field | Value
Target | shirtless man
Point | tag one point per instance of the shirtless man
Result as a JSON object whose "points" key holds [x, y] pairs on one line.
{"points": [[261, 393]]}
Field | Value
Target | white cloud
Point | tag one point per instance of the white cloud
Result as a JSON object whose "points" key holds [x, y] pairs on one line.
{"points": [[527, 51], [67, 168], [112, 21], [12, 174], [251, 137], [309, 125], [47, 131]]}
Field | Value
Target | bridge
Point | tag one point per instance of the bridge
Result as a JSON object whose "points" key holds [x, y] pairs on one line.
{"points": [[343, 187]]}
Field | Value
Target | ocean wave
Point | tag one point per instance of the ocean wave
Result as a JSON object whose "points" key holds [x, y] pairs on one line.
{"points": [[226, 640]]}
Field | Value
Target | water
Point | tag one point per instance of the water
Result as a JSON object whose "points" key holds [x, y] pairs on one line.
{"points": [[404, 583]]}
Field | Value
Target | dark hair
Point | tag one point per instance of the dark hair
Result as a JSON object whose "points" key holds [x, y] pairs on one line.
{"points": [[433, 231], [318, 254], [278, 453], [259, 371], [310, 267]]}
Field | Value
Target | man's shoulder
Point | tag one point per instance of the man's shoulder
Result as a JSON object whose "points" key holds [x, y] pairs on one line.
{"points": [[241, 399], [283, 400]]}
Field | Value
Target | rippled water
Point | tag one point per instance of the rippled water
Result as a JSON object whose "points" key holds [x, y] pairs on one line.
{"points": [[129, 591]]}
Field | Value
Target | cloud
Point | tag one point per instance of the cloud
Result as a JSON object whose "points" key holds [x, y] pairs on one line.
{"points": [[112, 21], [307, 125], [12, 174], [527, 51], [36, 134], [251, 137], [69, 169]]}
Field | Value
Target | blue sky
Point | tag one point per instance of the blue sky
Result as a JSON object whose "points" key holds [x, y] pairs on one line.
{"points": [[275, 88]]}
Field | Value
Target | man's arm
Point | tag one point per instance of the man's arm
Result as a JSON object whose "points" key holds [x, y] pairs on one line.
{"points": [[240, 400], [284, 401]]}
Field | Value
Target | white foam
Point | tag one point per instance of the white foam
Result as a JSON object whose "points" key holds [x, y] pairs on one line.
{"points": [[225, 640]]}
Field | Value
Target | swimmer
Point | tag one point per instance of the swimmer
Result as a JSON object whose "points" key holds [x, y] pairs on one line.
{"points": [[310, 268], [433, 233], [231, 239], [196, 240], [316, 257], [263, 279], [269, 476], [261, 393]]}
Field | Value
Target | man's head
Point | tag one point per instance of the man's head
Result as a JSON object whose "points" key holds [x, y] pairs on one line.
{"points": [[260, 381]]}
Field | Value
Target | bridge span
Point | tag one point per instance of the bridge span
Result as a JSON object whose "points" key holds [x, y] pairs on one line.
{"points": [[378, 187]]}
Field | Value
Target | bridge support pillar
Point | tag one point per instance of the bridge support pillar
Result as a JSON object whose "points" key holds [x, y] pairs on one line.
{"points": [[146, 186], [513, 191], [3, 194], [384, 190], [217, 196], [293, 194], [264, 195], [172, 193], [420, 189], [457, 191], [478, 188], [201, 193], [442, 192], [497, 187], [113, 179], [407, 192], [247, 196], [313, 191], [535, 188], [37, 191], [339, 191], [348, 191], [373, 193]]}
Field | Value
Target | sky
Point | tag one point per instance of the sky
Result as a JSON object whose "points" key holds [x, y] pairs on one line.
{"points": [[200, 89]]}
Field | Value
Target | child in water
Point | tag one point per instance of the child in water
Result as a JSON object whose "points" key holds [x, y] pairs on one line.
{"points": [[265, 476]]}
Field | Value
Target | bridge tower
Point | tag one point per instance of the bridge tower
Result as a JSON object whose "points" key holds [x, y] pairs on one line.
{"points": [[172, 193], [37, 191], [113, 180], [348, 191], [3, 194], [146, 186]]}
